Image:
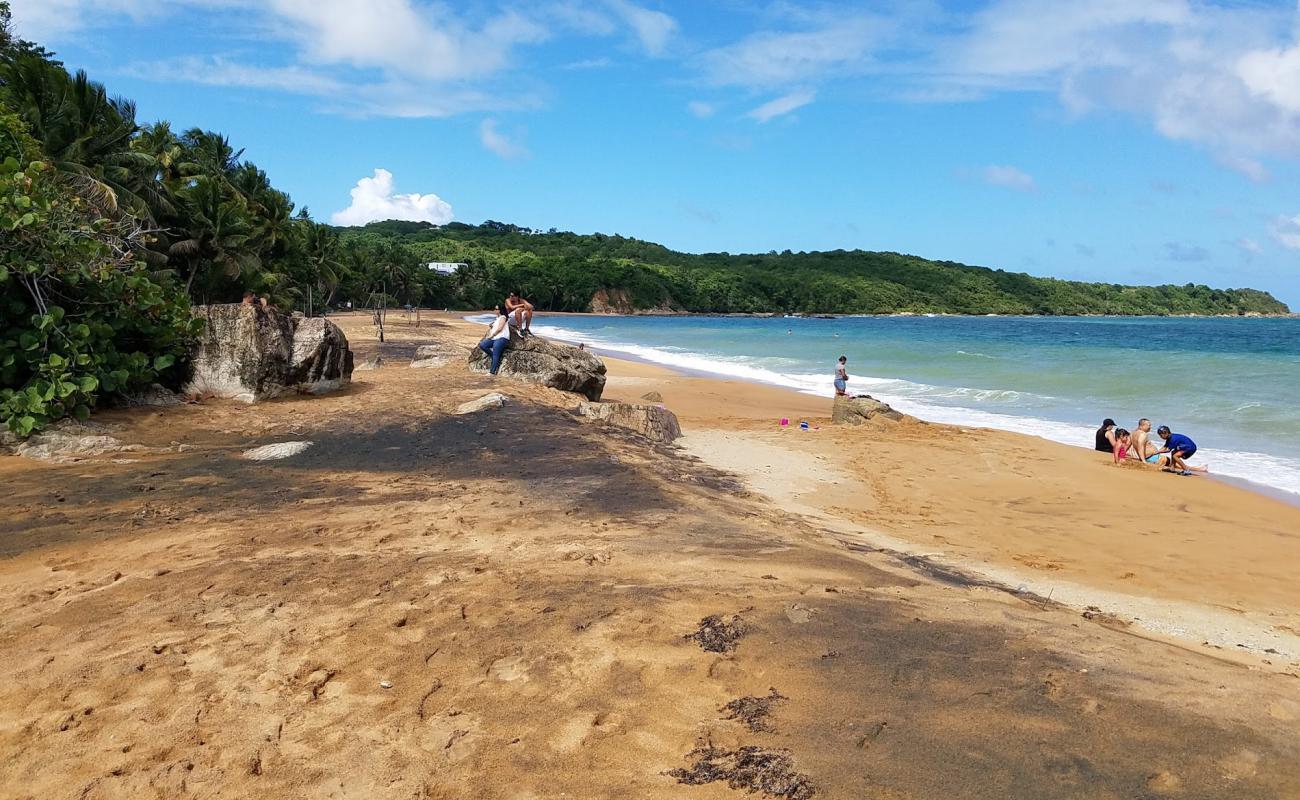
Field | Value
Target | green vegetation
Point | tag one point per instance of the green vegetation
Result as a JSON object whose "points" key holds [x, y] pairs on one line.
{"points": [[563, 271], [110, 229]]}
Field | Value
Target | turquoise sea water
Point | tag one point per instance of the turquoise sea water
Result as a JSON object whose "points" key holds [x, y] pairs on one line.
{"points": [[1232, 384]]}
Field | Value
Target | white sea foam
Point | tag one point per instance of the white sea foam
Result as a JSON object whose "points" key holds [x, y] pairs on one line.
{"points": [[912, 398]]}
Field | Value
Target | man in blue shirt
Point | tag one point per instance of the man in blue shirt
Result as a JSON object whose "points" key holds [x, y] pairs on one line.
{"points": [[1180, 448]]}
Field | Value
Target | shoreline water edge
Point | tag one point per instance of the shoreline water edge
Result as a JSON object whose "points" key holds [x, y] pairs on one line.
{"points": [[1267, 473]]}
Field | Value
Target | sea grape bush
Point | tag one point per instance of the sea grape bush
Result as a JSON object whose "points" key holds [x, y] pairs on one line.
{"points": [[79, 317]]}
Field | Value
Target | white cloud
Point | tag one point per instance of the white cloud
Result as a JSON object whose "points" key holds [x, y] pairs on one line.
{"points": [[1273, 74], [217, 71], [1206, 74], [373, 200], [1249, 247], [782, 105], [652, 28], [1286, 230], [701, 109], [1008, 177], [418, 41], [771, 58], [497, 142]]}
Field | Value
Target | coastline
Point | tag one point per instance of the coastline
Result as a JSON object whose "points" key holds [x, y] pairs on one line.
{"points": [[518, 603], [1044, 518], [1289, 497]]}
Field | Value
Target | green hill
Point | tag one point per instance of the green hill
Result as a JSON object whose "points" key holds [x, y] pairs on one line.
{"points": [[562, 271]]}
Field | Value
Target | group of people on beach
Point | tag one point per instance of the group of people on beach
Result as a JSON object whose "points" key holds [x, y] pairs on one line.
{"points": [[494, 344], [1123, 445]]}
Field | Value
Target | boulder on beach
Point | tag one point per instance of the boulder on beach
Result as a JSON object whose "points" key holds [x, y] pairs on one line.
{"points": [[431, 355], [860, 409], [250, 353], [654, 422], [552, 364], [652, 397], [485, 402], [66, 441]]}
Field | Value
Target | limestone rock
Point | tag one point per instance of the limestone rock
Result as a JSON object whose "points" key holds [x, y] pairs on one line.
{"points": [[652, 397], [552, 364], [431, 355], [68, 441], [654, 422], [374, 362], [155, 396], [857, 410], [322, 361], [251, 353], [487, 401], [272, 452]]}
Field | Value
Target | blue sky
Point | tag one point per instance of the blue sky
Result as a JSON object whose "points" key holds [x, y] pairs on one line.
{"points": [[1115, 140]]}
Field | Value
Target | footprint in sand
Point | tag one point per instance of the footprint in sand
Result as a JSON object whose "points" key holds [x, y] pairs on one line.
{"points": [[1164, 782], [1241, 764], [798, 614], [509, 669]]}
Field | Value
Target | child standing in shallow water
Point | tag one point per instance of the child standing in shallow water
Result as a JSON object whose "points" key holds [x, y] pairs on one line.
{"points": [[842, 377]]}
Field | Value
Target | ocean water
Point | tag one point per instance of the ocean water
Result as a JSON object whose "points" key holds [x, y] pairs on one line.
{"points": [[1232, 384]]}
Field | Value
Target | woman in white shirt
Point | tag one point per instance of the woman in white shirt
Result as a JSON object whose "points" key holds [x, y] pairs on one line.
{"points": [[497, 339]]}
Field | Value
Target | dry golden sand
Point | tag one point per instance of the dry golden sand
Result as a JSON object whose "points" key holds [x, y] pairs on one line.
{"points": [[496, 605]]}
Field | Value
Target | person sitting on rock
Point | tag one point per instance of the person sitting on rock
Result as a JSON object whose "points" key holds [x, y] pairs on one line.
{"points": [[522, 311], [497, 339], [842, 377]]}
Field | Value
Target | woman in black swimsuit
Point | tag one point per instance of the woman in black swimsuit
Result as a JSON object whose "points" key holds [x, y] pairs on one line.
{"points": [[1106, 437]]}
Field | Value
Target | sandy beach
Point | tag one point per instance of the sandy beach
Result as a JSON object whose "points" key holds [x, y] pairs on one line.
{"points": [[517, 603]]}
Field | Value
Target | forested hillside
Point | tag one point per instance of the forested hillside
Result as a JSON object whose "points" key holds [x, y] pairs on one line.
{"points": [[564, 271], [110, 228]]}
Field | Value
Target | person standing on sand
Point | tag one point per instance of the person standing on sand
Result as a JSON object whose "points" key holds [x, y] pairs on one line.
{"points": [[497, 339], [842, 377], [523, 312], [1180, 448], [1106, 436], [1143, 448]]}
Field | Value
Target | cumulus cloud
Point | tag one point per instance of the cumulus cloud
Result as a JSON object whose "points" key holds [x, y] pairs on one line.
{"points": [[1008, 177], [782, 105], [498, 142], [1286, 230], [373, 200]]}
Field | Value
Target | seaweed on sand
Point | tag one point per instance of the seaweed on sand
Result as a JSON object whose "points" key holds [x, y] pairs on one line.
{"points": [[717, 635], [753, 711], [753, 769]]}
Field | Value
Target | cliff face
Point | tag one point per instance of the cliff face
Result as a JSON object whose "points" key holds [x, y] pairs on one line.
{"points": [[612, 301]]}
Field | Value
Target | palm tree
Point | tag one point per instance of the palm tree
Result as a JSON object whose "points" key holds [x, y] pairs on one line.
{"points": [[218, 232], [86, 134]]}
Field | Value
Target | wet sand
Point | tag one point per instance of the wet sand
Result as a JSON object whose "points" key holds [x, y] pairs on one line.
{"points": [[513, 604]]}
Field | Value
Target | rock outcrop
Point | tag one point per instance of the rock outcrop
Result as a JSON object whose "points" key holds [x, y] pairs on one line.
{"points": [[654, 422], [66, 441], [552, 364], [431, 355], [250, 354], [860, 409], [485, 402]]}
